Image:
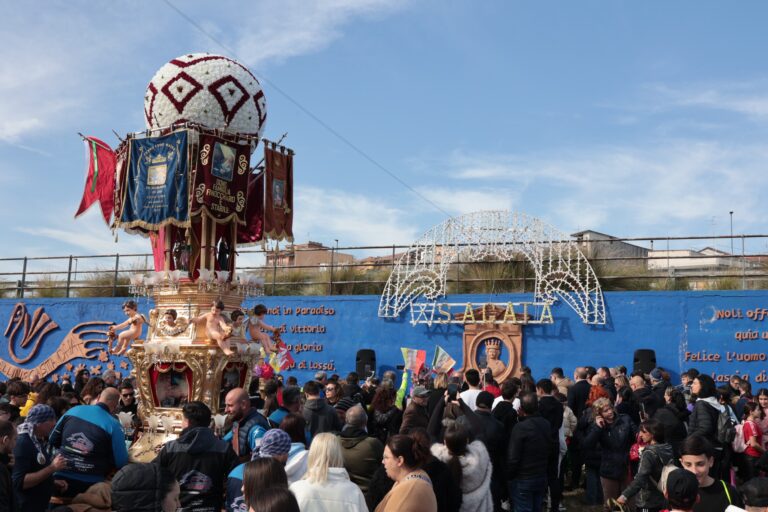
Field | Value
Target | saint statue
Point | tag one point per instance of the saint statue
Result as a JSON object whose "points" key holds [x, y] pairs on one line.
{"points": [[492, 353]]}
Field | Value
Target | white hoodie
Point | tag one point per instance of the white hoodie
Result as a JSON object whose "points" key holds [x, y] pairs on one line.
{"points": [[296, 466], [476, 469], [336, 494]]}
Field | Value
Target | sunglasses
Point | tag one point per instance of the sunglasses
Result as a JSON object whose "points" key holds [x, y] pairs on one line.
{"points": [[128, 395]]}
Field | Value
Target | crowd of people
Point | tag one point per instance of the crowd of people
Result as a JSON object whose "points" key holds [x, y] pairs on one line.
{"points": [[458, 442]]}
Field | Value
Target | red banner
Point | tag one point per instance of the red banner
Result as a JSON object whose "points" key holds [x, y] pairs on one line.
{"points": [[254, 212], [100, 178], [278, 203], [220, 187]]}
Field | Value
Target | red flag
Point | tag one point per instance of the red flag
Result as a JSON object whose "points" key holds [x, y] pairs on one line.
{"points": [[100, 180]]}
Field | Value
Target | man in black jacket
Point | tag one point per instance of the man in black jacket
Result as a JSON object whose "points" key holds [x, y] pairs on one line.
{"points": [[320, 416], [578, 394], [527, 456], [551, 410], [199, 460]]}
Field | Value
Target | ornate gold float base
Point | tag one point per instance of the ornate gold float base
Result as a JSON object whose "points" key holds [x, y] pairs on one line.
{"points": [[177, 365]]}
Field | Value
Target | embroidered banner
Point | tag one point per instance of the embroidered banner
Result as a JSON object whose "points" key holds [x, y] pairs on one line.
{"points": [[221, 180], [278, 203], [254, 212], [156, 188]]}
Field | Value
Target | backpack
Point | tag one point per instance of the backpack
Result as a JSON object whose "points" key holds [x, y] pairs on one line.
{"points": [[666, 469], [726, 427], [739, 444]]}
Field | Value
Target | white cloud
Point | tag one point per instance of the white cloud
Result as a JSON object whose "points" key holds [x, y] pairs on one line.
{"points": [[466, 199], [353, 219], [747, 98], [286, 28], [669, 187]]}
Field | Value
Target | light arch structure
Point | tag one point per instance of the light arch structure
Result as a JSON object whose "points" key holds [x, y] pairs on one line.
{"points": [[562, 272]]}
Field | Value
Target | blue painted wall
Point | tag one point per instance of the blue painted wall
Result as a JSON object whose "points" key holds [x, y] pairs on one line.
{"points": [[678, 325]]}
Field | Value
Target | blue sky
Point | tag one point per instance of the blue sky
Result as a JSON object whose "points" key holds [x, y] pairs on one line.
{"points": [[632, 118]]}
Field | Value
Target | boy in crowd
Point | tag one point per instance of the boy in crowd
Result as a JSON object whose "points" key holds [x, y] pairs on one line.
{"points": [[697, 456], [682, 491]]}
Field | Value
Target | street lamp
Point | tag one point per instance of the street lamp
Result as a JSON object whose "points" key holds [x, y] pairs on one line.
{"points": [[731, 213]]}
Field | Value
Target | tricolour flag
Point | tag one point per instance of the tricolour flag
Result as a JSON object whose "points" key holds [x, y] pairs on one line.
{"points": [[100, 178], [414, 360], [282, 360], [442, 361]]}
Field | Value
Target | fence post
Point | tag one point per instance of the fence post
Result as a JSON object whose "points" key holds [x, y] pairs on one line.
{"points": [[743, 266], [69, 276], [23, 284], [117, 268], [330, 283], [274, 270]]}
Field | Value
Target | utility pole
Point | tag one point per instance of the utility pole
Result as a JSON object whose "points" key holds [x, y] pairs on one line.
{"points": [[731, 213]]}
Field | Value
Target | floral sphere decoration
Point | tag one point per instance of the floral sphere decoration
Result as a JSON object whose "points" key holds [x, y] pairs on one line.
{"points": [[211, 90]]}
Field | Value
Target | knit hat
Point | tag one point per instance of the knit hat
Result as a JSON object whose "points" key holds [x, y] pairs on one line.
{"points": [[345, 404], [40, 413], [656, 374], [274, 442]]}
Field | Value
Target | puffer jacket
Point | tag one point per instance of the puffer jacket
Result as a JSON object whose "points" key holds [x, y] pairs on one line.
{"points": [[476, 470], [136, 488], [652, 460], [614, 440], [703, 420]]}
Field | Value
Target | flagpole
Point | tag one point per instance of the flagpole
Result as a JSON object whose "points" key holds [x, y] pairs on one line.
{"points": [[86, 139]]}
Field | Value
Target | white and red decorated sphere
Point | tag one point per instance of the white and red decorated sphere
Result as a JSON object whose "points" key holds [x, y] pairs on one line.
{"points": [[211, 90]]}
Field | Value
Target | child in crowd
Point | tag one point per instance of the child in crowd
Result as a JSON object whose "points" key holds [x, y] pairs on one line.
{"points": [[753, 438], [682, 491], [132, 327], [698, 456]]}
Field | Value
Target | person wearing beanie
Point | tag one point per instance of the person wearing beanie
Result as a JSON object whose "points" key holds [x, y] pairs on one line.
{"points": [[145, 487], [34, 465], [275, 444]]}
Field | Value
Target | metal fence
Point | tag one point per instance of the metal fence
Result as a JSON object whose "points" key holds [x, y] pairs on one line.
{"points": [[620, 263]]}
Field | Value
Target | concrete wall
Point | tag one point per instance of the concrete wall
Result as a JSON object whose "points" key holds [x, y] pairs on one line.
{"points": [[706, 330]]}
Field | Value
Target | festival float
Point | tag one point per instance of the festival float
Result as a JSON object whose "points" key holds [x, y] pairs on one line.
{"points": [[187, 184]]}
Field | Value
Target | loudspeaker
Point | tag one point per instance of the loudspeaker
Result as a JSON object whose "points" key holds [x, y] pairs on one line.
{"points": [[644, 360], [365, 363]]}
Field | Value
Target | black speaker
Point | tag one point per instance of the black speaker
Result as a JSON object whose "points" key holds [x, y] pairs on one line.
{"points": [[645, 360], [365, 363]]}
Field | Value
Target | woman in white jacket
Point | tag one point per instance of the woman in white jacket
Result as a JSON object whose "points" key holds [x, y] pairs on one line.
{"points": [[326, 486], [470, 465]]}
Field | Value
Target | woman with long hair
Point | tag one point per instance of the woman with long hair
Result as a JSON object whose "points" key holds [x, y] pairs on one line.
{"points": [[762, 401], [673, 418], [274, 499], [656, 454], [386, 418], [470, 466], [412, 492], [261, 474], [81, 378], [92, 390], [326, 486], [707, 407], [296, 427], [753, 438]]}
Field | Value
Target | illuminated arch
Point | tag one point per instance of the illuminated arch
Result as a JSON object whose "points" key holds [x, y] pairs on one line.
{"points": [[562, 271]]}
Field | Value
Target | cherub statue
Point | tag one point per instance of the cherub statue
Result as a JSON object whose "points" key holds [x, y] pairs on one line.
{"points": [[216, 326], [134, 325], [238, 326], [171, 324], [256, 323]]}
